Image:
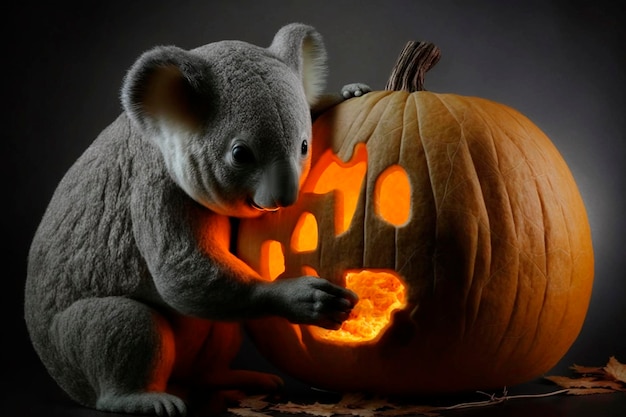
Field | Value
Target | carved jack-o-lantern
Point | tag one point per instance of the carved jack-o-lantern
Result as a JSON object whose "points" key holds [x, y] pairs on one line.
{"points": [[459, 226]]}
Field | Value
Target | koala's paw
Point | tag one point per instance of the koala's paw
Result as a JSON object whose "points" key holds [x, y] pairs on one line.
{"points": [[354, 90], [312, 300]]}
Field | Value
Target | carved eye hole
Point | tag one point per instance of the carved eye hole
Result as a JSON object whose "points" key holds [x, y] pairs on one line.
{"points": [[242, 154], [304, 148]]}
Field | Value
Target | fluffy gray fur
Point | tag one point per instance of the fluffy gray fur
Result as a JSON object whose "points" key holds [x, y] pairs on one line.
{"points": [[131, 287]]}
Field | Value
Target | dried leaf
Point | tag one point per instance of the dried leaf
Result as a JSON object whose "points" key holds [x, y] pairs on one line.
{"points": [[589, 391], [358, 401], [352, 400], [594, 380], [585, 382], [411, 410], [357, 405], [316, 409], [252, 406], [247, 412], [588, 370], [616, 370], [255, 402]]}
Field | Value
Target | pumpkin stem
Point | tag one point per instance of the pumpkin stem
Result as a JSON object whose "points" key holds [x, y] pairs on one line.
{"points": [[413, 62]]}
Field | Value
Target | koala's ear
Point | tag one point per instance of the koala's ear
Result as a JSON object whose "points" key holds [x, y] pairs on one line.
{"points": [[301, 47], [167, 85]]}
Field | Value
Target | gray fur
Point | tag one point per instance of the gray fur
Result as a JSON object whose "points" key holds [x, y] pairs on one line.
{"points": [[130, 264]]}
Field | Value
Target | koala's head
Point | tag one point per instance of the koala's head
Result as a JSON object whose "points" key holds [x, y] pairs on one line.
{"points": [[232, 120]]}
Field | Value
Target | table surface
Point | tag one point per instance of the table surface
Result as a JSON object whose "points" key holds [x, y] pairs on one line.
{"points": [[38, 396]]}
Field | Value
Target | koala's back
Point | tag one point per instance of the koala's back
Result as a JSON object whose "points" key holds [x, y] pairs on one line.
{"points": [[84, 246]]}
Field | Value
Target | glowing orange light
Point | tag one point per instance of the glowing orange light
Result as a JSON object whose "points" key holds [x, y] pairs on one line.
{"points": [[392, 196], [346, 179], [304, 237], [380, 293], [272, 259], [309, 271]]}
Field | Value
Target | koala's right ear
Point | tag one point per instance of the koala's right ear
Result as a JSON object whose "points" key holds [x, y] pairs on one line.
{"points": [[301, 47], [167, 85]]}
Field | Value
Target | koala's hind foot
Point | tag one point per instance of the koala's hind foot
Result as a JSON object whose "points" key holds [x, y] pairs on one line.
{"points": [[155, 403], [116, 355]]}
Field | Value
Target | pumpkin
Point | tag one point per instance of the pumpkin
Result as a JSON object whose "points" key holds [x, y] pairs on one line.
{"points": [[459, 225]]}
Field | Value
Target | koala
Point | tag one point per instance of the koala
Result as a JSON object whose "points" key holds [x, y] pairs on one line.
{"points": [[133, 297]]}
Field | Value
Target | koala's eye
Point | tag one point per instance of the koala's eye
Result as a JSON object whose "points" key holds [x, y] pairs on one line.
{"points": [[242, 154], [304, 149]]}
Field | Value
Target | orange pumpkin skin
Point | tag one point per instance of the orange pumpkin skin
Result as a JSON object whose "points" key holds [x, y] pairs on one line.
{"points": [[496, 256]]}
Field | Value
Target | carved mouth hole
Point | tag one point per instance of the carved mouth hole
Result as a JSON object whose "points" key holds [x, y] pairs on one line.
{"points": [[380, 292]]}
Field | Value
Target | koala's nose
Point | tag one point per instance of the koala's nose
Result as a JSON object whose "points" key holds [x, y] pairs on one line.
{"points": [[287, 198], [279, 187], [284, 180]]}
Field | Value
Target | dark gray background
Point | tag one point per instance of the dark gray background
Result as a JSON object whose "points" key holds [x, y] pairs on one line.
{"points": [[559, 62]]}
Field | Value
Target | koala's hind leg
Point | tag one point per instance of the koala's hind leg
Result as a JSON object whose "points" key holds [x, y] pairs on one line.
{"points": [[220, 348], [205, 351], [123, 349]]}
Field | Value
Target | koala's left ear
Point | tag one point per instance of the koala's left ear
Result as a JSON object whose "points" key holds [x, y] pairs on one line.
{"points": [[301, 47]]}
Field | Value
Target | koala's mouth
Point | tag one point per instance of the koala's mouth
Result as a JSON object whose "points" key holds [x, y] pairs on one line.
{"points": [[255, 206]]}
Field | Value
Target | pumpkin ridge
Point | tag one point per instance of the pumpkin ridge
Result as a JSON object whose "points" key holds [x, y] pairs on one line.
{"points": [[514, 229], [565, 224], [513, 116], [422, 112], [506, 335], [538, 186], [371, 221], [548, 293], [419, 108], [445, 212], [406, 115], [546, 287], [503, 234], [469, 284], [397, 158], [426, 150], [458, 145], [501, 172], [502, 133], [519, 266]]}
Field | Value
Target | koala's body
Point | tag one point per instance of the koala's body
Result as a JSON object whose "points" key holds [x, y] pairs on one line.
{"points": [[131, 286]]}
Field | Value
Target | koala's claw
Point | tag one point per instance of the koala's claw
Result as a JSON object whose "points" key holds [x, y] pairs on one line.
{"points": [[354, 90]]}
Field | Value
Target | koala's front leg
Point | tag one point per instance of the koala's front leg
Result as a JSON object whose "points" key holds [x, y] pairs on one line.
{"points": [[186, 248]]}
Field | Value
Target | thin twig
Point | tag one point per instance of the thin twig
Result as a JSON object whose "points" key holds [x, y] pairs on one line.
{"points": [[496, 400]]}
